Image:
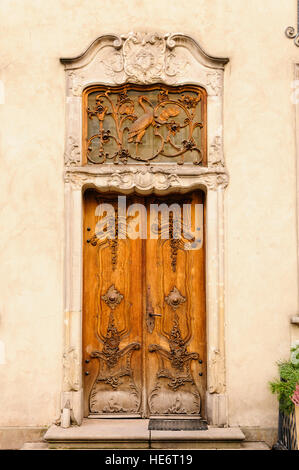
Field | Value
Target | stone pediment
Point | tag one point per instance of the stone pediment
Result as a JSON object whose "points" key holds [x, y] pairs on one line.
{"points": [[145, 58]]}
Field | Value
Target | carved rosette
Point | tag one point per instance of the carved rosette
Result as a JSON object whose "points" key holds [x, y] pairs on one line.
{"points": [[112, 297], [174, 299]]}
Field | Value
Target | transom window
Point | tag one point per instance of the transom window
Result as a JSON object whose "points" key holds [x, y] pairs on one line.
{"points": [[144, 124]]}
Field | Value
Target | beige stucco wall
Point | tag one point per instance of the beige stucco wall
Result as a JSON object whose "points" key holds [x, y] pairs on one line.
{"points": [[259, 143]]}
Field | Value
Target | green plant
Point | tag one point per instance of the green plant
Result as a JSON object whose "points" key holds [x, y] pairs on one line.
{"points": [[295, 354], [286, 385], [289, 378]]}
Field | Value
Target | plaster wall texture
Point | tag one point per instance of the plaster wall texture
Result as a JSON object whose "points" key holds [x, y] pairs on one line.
{"points": [[260, 201]]}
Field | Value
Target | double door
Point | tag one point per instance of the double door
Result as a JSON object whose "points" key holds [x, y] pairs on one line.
{"points": [[144, 323]]}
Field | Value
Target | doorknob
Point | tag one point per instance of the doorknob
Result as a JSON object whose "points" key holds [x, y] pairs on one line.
{"points": [[150, 314]]}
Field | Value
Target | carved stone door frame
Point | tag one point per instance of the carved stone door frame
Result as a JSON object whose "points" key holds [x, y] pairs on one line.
{"points": [[172, 59]]}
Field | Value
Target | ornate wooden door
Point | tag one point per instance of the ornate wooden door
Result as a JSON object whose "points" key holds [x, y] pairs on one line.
{"points": [[144, 331]]}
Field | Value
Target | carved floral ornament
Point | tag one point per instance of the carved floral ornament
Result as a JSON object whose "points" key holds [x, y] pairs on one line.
{"points": [[145, 179], [144, 58]]}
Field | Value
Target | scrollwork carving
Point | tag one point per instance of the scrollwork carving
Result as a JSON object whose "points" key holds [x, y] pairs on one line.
{"points": [[146, 179], [215, 181], [73, 154], [114, 67], [291, 33], [76, 180], [114, 390], [71, 369], [214, 82], [144, 57], [215, 154], [175, 66], [174, 383], [76, 85], [216, 369]]}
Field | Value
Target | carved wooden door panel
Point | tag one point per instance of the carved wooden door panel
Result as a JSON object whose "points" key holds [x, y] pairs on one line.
{"points": [[144, 340], [176, 342], [112, 331]]}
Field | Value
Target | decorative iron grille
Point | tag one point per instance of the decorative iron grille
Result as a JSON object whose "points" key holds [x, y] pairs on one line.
{"points": [[145, 124], [287, 433]]}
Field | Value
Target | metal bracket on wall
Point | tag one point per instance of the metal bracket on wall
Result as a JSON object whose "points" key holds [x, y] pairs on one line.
{"points": [[291, 32]]}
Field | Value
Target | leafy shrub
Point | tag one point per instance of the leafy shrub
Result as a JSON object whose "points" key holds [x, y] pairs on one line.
{"points": [[286, 385]]}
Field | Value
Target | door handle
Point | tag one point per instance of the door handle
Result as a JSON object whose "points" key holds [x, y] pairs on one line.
{"points": [[150, 314]]}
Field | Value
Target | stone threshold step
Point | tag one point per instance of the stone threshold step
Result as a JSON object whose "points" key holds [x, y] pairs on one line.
{"points": [[243, 446], [122, 433]]}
